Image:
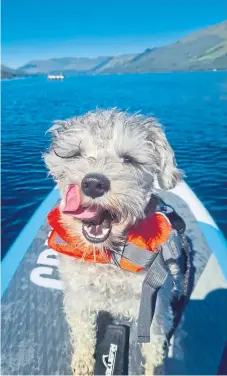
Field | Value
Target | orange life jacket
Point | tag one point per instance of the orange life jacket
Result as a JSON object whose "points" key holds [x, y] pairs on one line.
{"points": [[148, 236]]}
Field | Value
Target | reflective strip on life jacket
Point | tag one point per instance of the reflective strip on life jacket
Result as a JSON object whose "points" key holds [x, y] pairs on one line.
{"points": [[144, 241], [58, 244], [132, 258]]}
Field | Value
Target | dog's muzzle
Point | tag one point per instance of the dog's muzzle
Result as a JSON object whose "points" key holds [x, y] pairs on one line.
{"points": [[96, 221]]}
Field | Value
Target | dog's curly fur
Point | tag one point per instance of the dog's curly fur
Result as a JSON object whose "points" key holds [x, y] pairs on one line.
{"points": [[132, 152]]}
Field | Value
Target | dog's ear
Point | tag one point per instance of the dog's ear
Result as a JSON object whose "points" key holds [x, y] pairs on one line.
{"points": [[57, 128], [56, 142], [168, 174]]}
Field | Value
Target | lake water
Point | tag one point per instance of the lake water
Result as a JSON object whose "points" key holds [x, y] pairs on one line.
{"points": [[192, 107]]}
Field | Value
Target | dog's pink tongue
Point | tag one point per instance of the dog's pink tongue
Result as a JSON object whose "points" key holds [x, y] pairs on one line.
{"points": [[72, 204], [72, 199]]}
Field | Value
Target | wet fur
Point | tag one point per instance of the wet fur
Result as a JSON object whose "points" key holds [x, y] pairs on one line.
{"points": [[102, 139]]}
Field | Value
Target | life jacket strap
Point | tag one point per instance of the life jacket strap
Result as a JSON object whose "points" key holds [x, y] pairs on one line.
{"points": [[140, 257], [156, 277]]}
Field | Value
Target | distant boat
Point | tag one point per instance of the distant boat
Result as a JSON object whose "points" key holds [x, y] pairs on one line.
{"points": [[55, 77]]}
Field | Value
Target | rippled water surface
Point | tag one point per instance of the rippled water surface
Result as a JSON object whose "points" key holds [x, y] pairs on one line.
{"points": [[192, 107]]}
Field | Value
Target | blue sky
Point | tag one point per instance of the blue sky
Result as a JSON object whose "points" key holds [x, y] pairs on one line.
{"points": [[40, 29]]}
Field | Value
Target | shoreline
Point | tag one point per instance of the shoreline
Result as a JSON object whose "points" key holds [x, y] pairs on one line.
{"points": [[115, 74]]}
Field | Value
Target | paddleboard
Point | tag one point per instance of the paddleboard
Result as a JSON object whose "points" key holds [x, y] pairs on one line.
{"points": [[35, 335]]}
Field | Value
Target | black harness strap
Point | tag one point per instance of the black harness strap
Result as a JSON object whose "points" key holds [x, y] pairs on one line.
{"points": [[154, 279], [156, 276]]}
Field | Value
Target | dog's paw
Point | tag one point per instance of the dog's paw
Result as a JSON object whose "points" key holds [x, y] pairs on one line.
{"points": [[82, 367], [151, 370], [154, 355]]}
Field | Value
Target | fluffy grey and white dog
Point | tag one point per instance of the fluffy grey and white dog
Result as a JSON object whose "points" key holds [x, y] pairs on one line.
{"points": [[114, 158]]}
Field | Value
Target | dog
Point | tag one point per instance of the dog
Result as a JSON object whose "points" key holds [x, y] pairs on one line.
{"points": [[115, 159]]}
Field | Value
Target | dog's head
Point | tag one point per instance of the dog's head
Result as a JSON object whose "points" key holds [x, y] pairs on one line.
{"points": [[105, 164]]}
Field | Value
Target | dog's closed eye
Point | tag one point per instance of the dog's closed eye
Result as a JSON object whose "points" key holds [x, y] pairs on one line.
{"points": [[126, 158], [68, 154]]}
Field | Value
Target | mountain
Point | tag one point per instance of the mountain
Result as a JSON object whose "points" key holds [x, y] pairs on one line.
{"points": [[72, 65], [205, 49], [64, 65], [7, 72], [115, 63]]}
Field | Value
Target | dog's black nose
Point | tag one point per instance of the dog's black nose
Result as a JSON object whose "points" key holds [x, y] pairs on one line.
{"points": [[95, 185]]}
